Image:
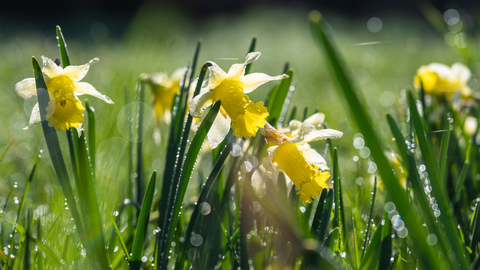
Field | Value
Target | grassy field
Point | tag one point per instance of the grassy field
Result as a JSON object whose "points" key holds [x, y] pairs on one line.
{"points": [[382, 66]]}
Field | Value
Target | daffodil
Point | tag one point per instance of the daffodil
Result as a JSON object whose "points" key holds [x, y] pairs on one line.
{"points": [[301, 164], [64, 109], [237, 110], [164, 89], [439, 79]]}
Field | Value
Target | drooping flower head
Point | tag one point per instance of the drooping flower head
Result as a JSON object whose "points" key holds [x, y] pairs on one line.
{"points": [[164, 89], [441, 80], [64, 109], [237, 110], [292, 155]]}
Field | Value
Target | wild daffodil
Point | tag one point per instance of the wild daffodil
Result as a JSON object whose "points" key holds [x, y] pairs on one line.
{"points": [[237, 110], [164, 89], [441, 80], [292, 155], [64, 109]]}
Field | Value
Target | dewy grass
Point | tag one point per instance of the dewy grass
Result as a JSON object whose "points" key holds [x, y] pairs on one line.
{"points": [[403, 197]]}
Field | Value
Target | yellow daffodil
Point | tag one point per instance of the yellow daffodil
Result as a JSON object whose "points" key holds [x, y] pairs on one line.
{"points": [[439, 79], [300, 163], [164, 89], [237, 110], [64, 110]]}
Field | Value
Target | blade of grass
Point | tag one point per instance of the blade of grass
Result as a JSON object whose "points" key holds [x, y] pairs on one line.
{"points": [[91, 134], [119, 236], [372, 255], [47, 251], [362, 121], [463, 174], [139, 178], [26, 263], [140, 234], [251, 49], [326, 214], [276, 103], [443, 153], [386, 246], [6, 150], [370, 218], [317, 218]]}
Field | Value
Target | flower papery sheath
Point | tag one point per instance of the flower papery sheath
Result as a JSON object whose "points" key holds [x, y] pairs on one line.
{"points": [[307, 178]]}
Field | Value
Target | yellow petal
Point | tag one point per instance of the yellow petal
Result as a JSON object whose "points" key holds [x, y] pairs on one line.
{"points": [[65, 113], [247, 124], [307, 178]]}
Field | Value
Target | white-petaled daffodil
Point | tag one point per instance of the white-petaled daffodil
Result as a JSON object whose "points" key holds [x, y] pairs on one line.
{"points": [[237, 110], [64, 109]]}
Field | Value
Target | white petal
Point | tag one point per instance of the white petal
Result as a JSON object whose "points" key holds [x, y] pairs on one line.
{"points": [[267, 162], [199, 103], [219, 130], [309, 133], [50, 69], [26, 88], [88, 89], [316, 120], [312, 157], [259, 178], [34, 117], [236, 71], [443, 71], [462, 73], [254, 80], [77, 73], [215, 77]]}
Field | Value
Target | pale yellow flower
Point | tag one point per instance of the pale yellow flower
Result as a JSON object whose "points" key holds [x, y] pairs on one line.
{"points": [[164, 89], [439, 79], [237, 110], [64, 110], [300, 163]]}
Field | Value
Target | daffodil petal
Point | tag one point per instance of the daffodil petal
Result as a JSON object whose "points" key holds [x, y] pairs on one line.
{"points": [[34, 117], [308, 133], [442, 71], [254, 80], [199, 103], [312, 157], [77, 73], [26, 88], [218, 130], [50, 69], [316, 120], [267, 162], [259, 178], [236, 71], [462, 73], [86, 88], [246, 124], [215, 77]]}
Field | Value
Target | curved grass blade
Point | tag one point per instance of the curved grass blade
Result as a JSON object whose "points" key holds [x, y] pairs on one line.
{"points": [[139, 240], [370, 218], [207, 188], [6, 150], [251, 49], [362, 121], [170, 212], [275, 103], [47, 251], [119, 236]]}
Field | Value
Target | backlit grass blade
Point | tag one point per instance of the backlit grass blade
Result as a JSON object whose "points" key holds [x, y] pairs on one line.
{"points": [[6, 150], [317, 218], [475, 228], [141, 232], [209, 186], [363, 122], [370, 218], [119, 236], [251, 49], [53, 146], [446, 216], [139, 178], [372, 255], [332, 240], [326, 214], [443, 153], [91, 134], [171, 211], [339, 215], [48, 252], [386, 246], [463, 175], [63, 47], [275, 105]]}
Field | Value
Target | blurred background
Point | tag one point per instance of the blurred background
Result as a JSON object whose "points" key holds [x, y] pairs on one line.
{"points": [[385, 42]]}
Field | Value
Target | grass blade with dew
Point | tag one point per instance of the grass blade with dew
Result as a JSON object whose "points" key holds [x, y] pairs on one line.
{"points": [[443, 153], [139, 176], [386, 246], [446, 217], [91, 134], [475, 227], [48, 252], [326, 215], [275, 105], [317, 218], [27, 256], [20, 208], [165, 236], [463, 175], [6, 150], [141, 232], [372, 255], [357, 111], [339, 214], [202, 198], [53, 146], [370, 218], [119, 236]]}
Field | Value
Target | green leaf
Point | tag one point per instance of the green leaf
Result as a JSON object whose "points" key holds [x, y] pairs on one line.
{"points": [[475, 228], [63, 48], [47, 251], [91, 134], [251, 49], [370, 218], [6, 150], [139, 179], [372, 255], [277, 99], [326, 214], [443, 153], [332, 240], [357, 112], [140, 234], [119, 236], [386, 246], [27, 256], [463, 175], [317, 218]]}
